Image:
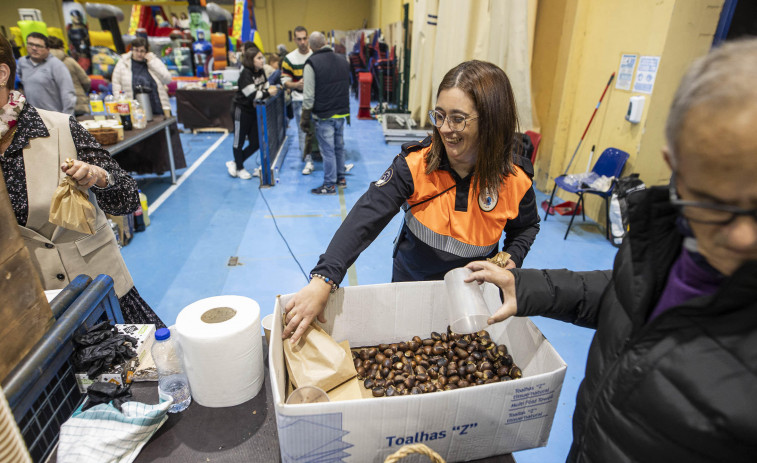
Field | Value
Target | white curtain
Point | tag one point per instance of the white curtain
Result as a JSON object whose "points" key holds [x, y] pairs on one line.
{"points": [[422, 58], [491, 30]]}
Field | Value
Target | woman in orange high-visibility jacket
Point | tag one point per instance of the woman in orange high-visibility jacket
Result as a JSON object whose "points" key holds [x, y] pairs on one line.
{"points": [[460, 189]]}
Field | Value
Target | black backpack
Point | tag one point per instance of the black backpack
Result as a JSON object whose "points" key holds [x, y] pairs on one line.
{"points": [[624, 187]]}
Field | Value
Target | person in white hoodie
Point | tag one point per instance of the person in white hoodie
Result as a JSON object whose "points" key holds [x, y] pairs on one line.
{"points": [[142, 67]]}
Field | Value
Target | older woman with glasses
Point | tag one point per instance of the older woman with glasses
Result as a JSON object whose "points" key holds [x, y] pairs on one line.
{"points": [[460, 189], [141, 68]]}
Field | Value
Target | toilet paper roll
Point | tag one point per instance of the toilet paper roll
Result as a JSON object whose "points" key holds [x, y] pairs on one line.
{"points": [[222, 350]]}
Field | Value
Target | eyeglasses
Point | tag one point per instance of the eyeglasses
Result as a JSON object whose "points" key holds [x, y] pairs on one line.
{"points": [[455, 122], [707, 213], [35, 45]]}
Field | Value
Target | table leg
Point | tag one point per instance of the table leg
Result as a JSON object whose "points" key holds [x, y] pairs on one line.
{"points": [[170, 155]]}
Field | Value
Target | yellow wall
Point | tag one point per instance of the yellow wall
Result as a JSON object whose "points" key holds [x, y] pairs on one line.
{"points": [[578, 44], [385, 12], [322, 15], [52, 12]]}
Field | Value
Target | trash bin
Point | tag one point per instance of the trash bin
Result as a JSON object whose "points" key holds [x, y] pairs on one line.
{"points": [[364, 108]]}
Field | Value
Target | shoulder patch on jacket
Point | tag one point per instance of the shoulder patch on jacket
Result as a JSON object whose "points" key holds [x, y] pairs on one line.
{"points": [[408, 148], [385, 177]]}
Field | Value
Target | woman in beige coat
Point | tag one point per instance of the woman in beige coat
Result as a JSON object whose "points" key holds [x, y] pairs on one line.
{"points": [[142, 67], [34, 145], [80, 78]]}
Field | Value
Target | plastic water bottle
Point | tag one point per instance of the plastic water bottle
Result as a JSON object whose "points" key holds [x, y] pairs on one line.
{"points": [[145, 210], [96, 106], [172, 381], [116, 231], [111, 106]]}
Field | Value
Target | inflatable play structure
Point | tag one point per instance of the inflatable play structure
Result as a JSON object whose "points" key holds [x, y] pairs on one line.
{"points": [[192, 43]]}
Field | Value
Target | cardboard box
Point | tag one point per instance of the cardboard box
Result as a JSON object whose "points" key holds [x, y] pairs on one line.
{"points": [[25, 314], [83, 381], [462, 424]]}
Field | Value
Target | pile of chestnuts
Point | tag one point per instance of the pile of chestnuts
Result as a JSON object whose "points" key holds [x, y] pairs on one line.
{"points": [[441, 362]]}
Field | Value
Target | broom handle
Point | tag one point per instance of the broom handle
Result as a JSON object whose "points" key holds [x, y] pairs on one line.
{"points": [[612, 76]]}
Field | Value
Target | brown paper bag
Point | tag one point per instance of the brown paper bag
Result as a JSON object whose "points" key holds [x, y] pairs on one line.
{"points": [[70, 208], [349, 390], [317, 360]]}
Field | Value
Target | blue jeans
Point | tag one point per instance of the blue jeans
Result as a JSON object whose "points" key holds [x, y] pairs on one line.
{"points": [[330, 135], [297, 109]]}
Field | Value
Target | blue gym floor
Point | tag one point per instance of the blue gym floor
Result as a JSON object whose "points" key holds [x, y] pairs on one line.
{"points": [[183, 256]]}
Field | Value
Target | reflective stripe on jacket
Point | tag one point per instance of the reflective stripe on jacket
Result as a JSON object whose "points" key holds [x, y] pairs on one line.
{"points": [[461, 221]]}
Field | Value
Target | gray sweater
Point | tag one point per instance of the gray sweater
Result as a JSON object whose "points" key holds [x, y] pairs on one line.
{"points": [[47, 85]]}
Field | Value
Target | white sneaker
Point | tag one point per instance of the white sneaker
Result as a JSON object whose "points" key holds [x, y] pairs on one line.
{"points": [[232, 168], [244, 175], [348, 167], [256, 172], [308, 168]]}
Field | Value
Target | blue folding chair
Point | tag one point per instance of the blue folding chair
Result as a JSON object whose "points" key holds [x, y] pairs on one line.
{"points": [[609, 164]]}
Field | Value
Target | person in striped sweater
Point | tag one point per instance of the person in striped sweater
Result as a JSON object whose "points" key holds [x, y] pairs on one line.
{"points": [[291, 76]]}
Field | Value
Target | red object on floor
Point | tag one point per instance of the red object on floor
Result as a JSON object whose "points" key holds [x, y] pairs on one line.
{"points": [[364, 109], [566, 208]]}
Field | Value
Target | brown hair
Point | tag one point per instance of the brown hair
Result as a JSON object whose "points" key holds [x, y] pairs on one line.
{"points": [[248, 59], [489, 88], [140, 42], [272, 58], [55, 43], [39, 35], [6, 57]]}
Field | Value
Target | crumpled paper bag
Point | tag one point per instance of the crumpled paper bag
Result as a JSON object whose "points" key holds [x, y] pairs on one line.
{"points": [[317, 360], [70, 208]]}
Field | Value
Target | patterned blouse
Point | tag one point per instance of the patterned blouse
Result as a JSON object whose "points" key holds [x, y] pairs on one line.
{"points": [[119, 199]]}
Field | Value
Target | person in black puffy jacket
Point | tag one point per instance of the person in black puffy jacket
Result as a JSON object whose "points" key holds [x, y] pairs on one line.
{"points": [[672, 371], [253, 86]]}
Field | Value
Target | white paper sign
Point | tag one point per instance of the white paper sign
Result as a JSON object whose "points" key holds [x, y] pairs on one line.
{"points": [[646, 74], [625, 72]]}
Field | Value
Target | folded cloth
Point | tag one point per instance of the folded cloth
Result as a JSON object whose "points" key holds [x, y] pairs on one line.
{"points": [[103, 434]]}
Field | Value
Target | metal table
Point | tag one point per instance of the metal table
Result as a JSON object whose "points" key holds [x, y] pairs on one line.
{"points": [[245, 432], [135, 136], [205, 109]]}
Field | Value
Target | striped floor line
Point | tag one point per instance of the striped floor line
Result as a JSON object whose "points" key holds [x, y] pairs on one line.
{"points": [[166, 194]]}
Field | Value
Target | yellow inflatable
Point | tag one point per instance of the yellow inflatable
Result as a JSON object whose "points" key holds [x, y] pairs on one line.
{"points": [[19, 39], [101, 39]]}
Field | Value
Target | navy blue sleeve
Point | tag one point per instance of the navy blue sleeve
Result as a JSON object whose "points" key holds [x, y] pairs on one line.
{"points": [[521, 232], [371, 213]]}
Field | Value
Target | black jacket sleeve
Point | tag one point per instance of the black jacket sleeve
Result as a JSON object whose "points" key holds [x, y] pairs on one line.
{"points": [[521, 231], [572, 297], [122, 197], [250, 89], [367, 218]]}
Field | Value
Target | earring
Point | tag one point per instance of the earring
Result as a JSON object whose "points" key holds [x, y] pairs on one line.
{"points": [[2, 84]]}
